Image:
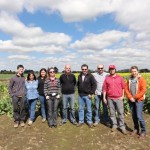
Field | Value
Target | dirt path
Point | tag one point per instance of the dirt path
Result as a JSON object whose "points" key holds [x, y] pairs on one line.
{"points": [[68, 137]]}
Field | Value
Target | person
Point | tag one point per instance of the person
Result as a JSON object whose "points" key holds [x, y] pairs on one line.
{"points": [[100, 76], [86, 88], [32, 95], [52, 92], [68, 82], [135, 90], [42, 98], [17, 92], [113, 94]]}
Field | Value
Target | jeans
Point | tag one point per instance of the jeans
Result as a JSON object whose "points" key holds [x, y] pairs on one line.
{"points": [[43, 101], [68, 99], [18, 104], [82, 100], [98, 100], [32, 107], [116, 105], [52, 106], [136, 109]]}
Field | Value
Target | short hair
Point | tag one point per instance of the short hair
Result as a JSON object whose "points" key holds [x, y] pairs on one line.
{"points": [[134, 67], [28, 76], [84, 65], [20, 66]]}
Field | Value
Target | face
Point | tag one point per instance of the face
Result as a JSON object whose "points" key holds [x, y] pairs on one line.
{"points": [[67, 68], [31, 77], [134, 73], [52, 73], [112, 71], [20, 71], [100, 69], [43, 73], [84, 70]]}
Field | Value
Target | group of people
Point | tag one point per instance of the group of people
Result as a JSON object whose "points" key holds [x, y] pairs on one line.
{"points": [[106, 88]]}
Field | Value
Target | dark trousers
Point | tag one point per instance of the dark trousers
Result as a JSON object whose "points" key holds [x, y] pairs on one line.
{"points": [[18, 108], [52, 106]]}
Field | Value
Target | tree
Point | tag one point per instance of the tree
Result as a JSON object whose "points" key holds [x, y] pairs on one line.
{"points": [[56, 69]]}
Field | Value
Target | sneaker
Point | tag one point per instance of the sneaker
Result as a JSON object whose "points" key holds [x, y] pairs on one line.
{"points": [[95, 124], [134, 132], [142, 136], [22, 124], [16, 124], [113, 129], [74, 123], [44, 119], [62, 123], [90, 125], [79, 124], [124, 131], [30, 122]]}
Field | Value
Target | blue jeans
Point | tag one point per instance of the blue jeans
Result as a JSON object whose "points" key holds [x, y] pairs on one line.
{"points": [[42, 101], [68, 99], [136, 109], [98, 100], [82, 100], [32, 107]]}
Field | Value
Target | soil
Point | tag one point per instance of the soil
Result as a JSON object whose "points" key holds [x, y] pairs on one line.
{"points": [[69, 137]]}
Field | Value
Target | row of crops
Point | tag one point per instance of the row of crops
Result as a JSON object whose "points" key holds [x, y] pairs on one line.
{"points": [[6, 107]]}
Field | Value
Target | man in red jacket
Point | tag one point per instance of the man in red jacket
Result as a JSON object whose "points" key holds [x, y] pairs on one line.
{"points": [[113, 94]]}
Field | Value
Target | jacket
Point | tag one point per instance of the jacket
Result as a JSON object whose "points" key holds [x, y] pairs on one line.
{"points": [[113, 86], [140, 89], [88, 86]]}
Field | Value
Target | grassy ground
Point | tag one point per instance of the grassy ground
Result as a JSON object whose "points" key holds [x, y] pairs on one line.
{"points": [[68, 137]]}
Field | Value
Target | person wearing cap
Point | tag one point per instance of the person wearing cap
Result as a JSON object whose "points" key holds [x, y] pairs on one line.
{"points": [[113, 94], [135, 90], [100, 76]]}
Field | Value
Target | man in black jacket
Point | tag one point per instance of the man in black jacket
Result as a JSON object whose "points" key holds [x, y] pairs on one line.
{"points": [[68, 82], [86, 87]]}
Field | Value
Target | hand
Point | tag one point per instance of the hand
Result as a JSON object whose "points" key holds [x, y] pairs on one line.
{"points": [[105, 101], [132, 99], [121, 97], [47, 97], [90, 96], [58, 96]]}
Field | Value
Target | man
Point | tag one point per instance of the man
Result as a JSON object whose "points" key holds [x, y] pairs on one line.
{"points": [[135, 91], [68, 82], [100, 76], [17, 92], [86, 87], [113, 87]]}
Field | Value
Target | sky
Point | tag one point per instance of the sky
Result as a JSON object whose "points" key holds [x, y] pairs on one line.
{"points": [[48, 33]]}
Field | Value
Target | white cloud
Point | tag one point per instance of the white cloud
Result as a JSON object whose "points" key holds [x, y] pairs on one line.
{"points": [[23, 57]]}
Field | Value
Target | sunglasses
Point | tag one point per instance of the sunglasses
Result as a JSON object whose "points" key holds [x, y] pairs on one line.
{"points": [[52, 72], [84, 69], [99, 68]]}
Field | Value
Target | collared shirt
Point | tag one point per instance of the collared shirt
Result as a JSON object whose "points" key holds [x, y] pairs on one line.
{"points": [[31, 87], [99, 81]]}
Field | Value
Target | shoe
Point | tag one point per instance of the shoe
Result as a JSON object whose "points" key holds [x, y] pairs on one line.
{"points": [[50, 126], [113, 129], [43, 120], [74, 123], [62, 123], [22, 124], [95, 124], [30, 122], [55, 126], [134, 132], [79, 124], [90, 125], [142, 136], [124, 131], [16, 124]]}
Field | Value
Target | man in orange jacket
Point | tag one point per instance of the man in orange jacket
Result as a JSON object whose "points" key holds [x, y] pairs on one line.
{"points": [[135, 90]]}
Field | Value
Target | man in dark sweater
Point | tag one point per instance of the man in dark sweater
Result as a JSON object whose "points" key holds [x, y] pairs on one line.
{"points": [[86, 87], [68, 82], [17, 92]]}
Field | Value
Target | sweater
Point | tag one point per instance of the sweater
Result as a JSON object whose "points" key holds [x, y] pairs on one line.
{"points": [[41, 86]]}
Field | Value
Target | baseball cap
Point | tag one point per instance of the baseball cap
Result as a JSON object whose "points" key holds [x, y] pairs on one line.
{"points": [[112, 67]]}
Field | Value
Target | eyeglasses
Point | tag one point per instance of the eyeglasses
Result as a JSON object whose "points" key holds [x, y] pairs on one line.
{"points": [[52, 72], [99, 68], [84, 69]]}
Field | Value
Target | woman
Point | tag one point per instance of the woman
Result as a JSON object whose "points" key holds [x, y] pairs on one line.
{"points": [[41, 80], [52, 94], [31, 94]]}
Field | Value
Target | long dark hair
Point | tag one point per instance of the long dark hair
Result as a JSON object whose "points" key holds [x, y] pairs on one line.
{"points": [[28, 76], [43, 69]]}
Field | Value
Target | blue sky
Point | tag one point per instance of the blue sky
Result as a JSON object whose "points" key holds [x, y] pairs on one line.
{"points": [[54, 33]]}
